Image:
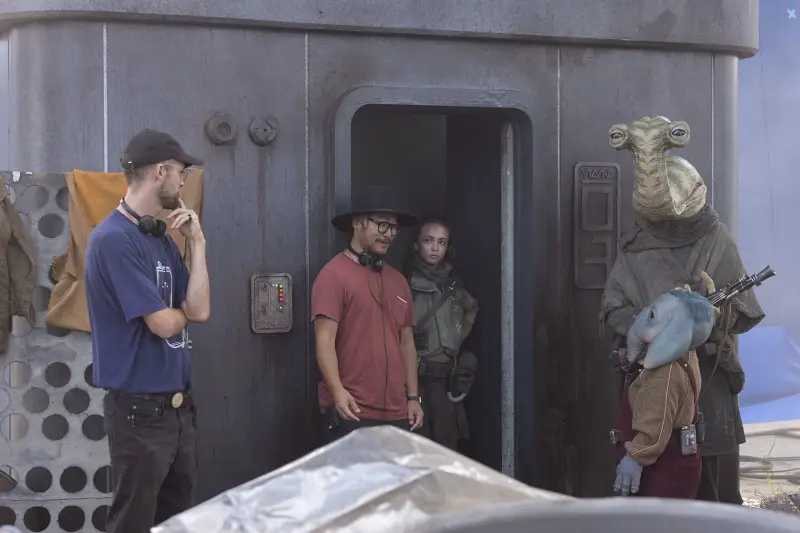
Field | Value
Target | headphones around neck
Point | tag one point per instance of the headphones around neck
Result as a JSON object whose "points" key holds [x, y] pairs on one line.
{"points": [[147, 224], [367, 259]]}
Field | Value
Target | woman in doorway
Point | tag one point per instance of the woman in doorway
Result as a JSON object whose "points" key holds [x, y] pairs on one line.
{"points": [[445, 313]]}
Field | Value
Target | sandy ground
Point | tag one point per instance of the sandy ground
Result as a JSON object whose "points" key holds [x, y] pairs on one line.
{"points": [[770, 460]]}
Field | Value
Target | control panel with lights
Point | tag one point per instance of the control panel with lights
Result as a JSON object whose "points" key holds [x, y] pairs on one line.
{"points": [[271, 303]]}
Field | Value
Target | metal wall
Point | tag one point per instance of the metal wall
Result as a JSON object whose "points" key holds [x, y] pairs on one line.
{"points": [[85, 76], [52, 439]]}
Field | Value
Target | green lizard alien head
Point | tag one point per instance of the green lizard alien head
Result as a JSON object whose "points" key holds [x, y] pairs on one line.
{"points": [[666, 187]]}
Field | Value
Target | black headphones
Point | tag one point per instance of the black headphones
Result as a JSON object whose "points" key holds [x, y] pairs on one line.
{"points": [[368, 259], [147, 224]]}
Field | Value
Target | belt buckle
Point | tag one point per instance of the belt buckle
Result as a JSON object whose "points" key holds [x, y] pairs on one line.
{"points": [[177, 400]]}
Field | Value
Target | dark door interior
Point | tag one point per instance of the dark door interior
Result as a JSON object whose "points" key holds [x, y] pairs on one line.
{"points": [[447, 162]]}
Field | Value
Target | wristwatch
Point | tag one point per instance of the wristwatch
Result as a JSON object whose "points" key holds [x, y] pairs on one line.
{"points": [[414, 399]]}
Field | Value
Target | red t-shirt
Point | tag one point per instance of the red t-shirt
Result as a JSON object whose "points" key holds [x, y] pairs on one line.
{"points": [[371, 365]]}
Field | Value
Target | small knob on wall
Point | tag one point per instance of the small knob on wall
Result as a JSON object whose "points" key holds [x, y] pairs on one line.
{"points": [[263, 130], [221, 128]]}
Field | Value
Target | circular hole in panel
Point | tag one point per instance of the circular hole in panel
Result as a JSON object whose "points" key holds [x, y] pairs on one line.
{"points": [[36, 400], [56, 331], [57, 374], [40, 196], [14, 427], [39, 479], [50, 225], [99, 517], [55, 427], [76, 401], [102, 479], [71, 518], [88, 375], [7, 516], [93, 427], [62, 198], [17, 374], [73, 479], [20, 326], [36, 519], [41, 298], [5, 400]]}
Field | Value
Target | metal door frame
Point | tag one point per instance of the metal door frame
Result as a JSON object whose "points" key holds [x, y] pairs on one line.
{"points": [[517, 407]]}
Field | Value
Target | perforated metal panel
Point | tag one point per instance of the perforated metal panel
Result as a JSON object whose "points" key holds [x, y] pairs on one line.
{"points": [[52, 438]]}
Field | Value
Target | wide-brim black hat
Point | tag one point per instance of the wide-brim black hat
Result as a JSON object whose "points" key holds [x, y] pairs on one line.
{"points": [[373, 200]]}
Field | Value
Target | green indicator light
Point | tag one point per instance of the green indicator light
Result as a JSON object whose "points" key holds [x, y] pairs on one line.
{"points": [[281, 285]]}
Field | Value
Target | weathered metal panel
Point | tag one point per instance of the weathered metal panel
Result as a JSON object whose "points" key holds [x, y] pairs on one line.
{"points": [[596, 223], [253, 413], [55, 99], [730, 25], [624, 85], [57, 448], [78, 90]]}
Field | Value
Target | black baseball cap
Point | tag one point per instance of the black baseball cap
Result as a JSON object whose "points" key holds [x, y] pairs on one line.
{"points": [[149, 147]]}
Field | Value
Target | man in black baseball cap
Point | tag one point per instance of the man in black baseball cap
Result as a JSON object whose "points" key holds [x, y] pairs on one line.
{"points": [[141, 296], [151, 161], [149, 147]]}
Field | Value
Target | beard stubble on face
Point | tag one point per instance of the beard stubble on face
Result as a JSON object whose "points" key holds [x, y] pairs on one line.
{"points": [[167, 200]]}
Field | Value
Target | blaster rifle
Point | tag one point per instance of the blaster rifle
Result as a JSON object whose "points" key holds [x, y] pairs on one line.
{"points": [[717, 299], [720, 296]]}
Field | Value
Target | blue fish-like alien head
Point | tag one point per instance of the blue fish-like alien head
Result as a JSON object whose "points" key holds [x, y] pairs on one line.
{"points": [[675, 323]]}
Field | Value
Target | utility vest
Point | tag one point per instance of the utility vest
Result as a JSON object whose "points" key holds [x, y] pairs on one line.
{"points": [[441, 336]]}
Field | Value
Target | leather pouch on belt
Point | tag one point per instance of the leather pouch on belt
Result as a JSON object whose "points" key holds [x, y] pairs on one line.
{"points": [[464, 374], [421, 340]]}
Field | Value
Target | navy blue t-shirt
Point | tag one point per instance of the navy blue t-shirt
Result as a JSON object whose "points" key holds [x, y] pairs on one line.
{"points": [[130, 275]]}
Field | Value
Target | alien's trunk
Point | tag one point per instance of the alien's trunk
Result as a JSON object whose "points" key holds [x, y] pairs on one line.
{"points": [[666, 187]]}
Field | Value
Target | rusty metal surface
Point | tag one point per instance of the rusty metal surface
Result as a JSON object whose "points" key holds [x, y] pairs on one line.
{"points": [[52, 439]]}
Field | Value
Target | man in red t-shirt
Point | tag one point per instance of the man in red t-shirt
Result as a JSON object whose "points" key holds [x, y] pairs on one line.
{"points": [[363, 319]]}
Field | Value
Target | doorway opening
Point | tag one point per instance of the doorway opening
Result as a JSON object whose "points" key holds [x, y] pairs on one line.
{"points": [[471, 166]]}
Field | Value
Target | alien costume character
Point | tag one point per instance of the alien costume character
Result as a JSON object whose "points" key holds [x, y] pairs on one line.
{"points": [[675, 237], [656, 435], [445, 314]]}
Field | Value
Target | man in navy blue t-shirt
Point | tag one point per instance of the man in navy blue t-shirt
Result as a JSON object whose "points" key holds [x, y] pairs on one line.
{"points": [[141, 296]]}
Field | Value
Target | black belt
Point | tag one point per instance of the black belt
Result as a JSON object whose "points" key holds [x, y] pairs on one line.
{"points": [[176, 400]]}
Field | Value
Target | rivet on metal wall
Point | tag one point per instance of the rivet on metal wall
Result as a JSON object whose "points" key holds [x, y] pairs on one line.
{"points": [[221, 128], [263, 129]]}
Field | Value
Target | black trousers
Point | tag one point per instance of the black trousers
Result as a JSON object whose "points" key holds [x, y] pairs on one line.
{"points": [[334, 427], [153, 461], [719, 481]]}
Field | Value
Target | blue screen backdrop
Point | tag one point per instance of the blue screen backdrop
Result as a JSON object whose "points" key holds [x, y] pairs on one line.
{"points": [[768, 226]]}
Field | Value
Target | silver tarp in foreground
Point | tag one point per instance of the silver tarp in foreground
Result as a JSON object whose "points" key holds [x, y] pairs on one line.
{"points": [[375, 479]]}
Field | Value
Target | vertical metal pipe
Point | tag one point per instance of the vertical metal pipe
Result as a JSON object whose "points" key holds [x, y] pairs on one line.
{"points": [[507, 299]]}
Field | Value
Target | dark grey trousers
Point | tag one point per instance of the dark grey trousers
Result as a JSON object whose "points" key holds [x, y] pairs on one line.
{"points": [[153, 461], [719, 481]]}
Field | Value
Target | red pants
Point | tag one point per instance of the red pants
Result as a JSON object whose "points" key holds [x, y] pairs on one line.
{"points": [[673, 475]]}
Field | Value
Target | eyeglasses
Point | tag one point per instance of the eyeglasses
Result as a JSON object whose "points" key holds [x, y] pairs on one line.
{"points": [[184, 172], [383, 227]]}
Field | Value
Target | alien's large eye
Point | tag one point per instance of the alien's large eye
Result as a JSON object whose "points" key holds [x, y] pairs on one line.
{"points": [[616, 135], [678, 132]]}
